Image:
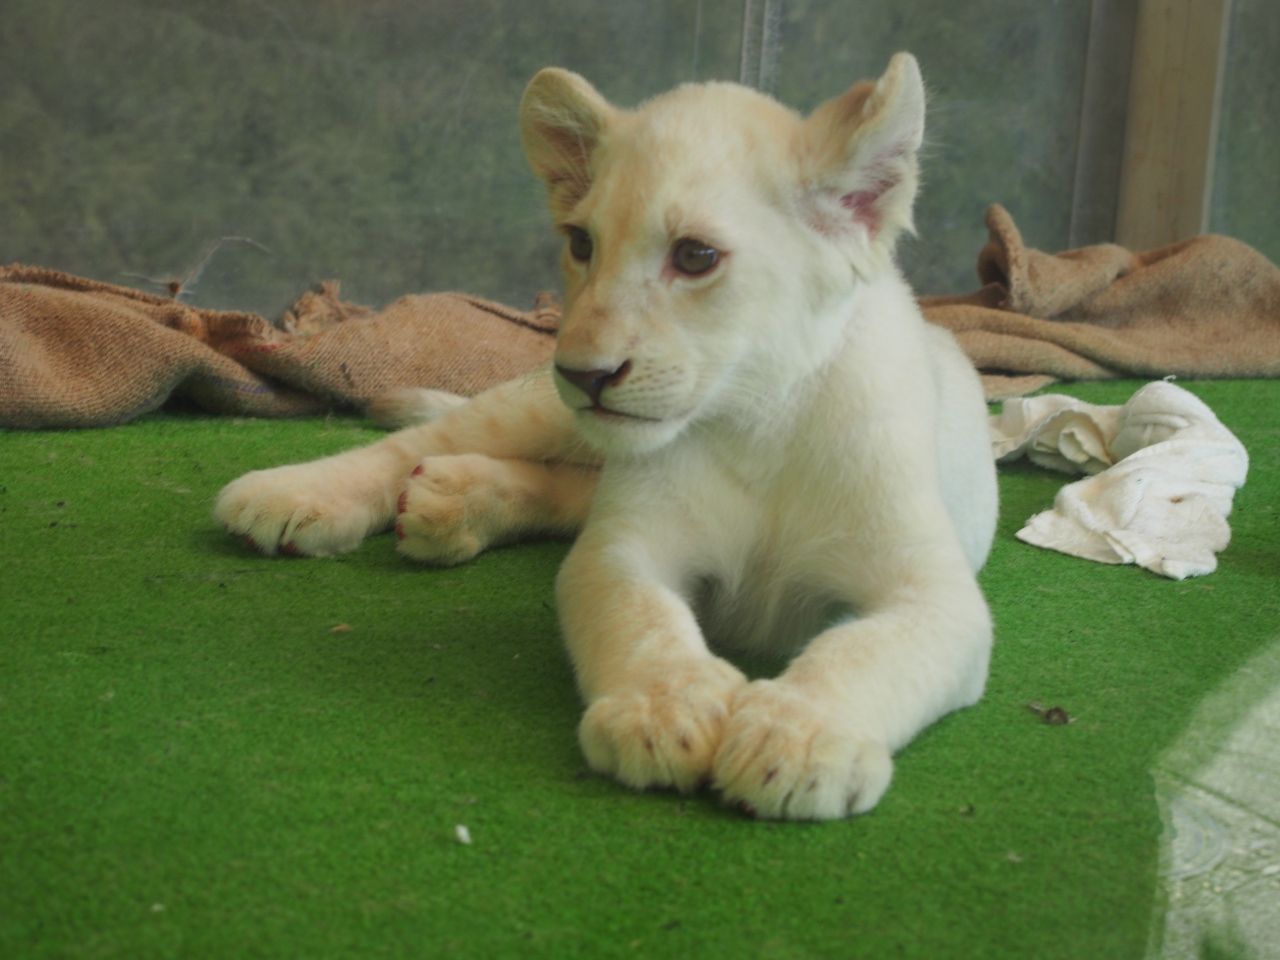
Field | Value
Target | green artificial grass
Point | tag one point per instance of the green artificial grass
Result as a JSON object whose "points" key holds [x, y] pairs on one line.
{"points": [[206, 753]]}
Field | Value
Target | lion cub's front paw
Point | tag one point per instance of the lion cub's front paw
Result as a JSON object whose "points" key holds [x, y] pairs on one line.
{"points": [[782, 757], [663, 733], [450, 510]]}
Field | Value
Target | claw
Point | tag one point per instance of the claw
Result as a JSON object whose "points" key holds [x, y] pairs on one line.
{"points": [[400, 534], [417, 471], [403, 503], [248, 541], [291, 549]]}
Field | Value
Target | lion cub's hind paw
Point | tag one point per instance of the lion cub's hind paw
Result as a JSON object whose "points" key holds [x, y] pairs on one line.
{"points": [[450, 510], [783, 759], [299, 510], [665, 733]]}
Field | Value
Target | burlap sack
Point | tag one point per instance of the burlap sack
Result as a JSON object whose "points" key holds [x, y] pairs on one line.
{"points": [[350, 354], [1204, 307], [79, 353]]}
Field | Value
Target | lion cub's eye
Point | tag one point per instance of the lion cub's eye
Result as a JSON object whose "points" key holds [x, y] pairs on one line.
{"points": [[580, 245], [693, 256]]}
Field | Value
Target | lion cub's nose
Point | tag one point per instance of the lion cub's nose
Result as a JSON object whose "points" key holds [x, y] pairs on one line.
{"points": [[593, 382]]}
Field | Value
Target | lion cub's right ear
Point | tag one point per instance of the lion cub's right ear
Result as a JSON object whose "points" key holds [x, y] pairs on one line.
{"points": [[562, 119], [860, 165]]}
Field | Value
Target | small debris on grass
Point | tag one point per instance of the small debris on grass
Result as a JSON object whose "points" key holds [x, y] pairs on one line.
{"points": [[341, 628], [157, 907], [463, 609], [463, 834], [1012, 857], [1054, 716], [967, 810]]}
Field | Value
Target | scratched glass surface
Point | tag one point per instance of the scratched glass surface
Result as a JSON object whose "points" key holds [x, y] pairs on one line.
{"points": [[247, 149], [1246, 182]]}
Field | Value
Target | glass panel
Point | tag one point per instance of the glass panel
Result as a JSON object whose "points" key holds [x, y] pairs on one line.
{"points": [[373, 142], [377, 143], [1246, 177]]}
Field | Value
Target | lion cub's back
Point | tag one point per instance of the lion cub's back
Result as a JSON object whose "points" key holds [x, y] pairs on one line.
{"points": [[964, 446]]}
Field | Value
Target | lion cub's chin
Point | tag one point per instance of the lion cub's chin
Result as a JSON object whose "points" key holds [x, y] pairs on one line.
{"points": [[622, 435]]}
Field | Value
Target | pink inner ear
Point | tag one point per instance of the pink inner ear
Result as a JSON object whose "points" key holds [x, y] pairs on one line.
{"points": [[880, 173], [862, 203]]}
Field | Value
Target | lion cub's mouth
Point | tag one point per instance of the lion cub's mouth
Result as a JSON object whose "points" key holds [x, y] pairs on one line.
{"points": [[607, 414]]}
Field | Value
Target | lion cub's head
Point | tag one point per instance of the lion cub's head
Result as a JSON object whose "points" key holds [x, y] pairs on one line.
{"points": [[716, 241]]}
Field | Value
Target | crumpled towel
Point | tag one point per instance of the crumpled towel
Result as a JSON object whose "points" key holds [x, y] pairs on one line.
{"points": [[1163, 473]]}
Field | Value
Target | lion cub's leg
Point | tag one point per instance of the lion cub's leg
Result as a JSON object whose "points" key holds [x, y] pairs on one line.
{"points": [[330, 505], [455, 506], [816, 743], [657, 699]]}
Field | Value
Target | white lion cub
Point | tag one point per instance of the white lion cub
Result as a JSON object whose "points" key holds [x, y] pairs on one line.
{"points": [[792, 458]]}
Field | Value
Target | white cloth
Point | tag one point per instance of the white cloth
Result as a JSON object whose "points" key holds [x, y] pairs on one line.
{"points": [[1163, 473]]}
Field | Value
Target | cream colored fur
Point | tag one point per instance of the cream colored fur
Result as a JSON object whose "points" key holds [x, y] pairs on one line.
{"points": [[793, 459]]}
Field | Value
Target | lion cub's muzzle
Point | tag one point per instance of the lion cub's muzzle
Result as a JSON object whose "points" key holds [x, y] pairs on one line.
{"points": [[638, 405], [594, 382]]}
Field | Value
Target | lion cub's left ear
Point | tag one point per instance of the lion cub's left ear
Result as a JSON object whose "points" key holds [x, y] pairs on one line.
{"points": [[860, 169], [562, 120]]}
